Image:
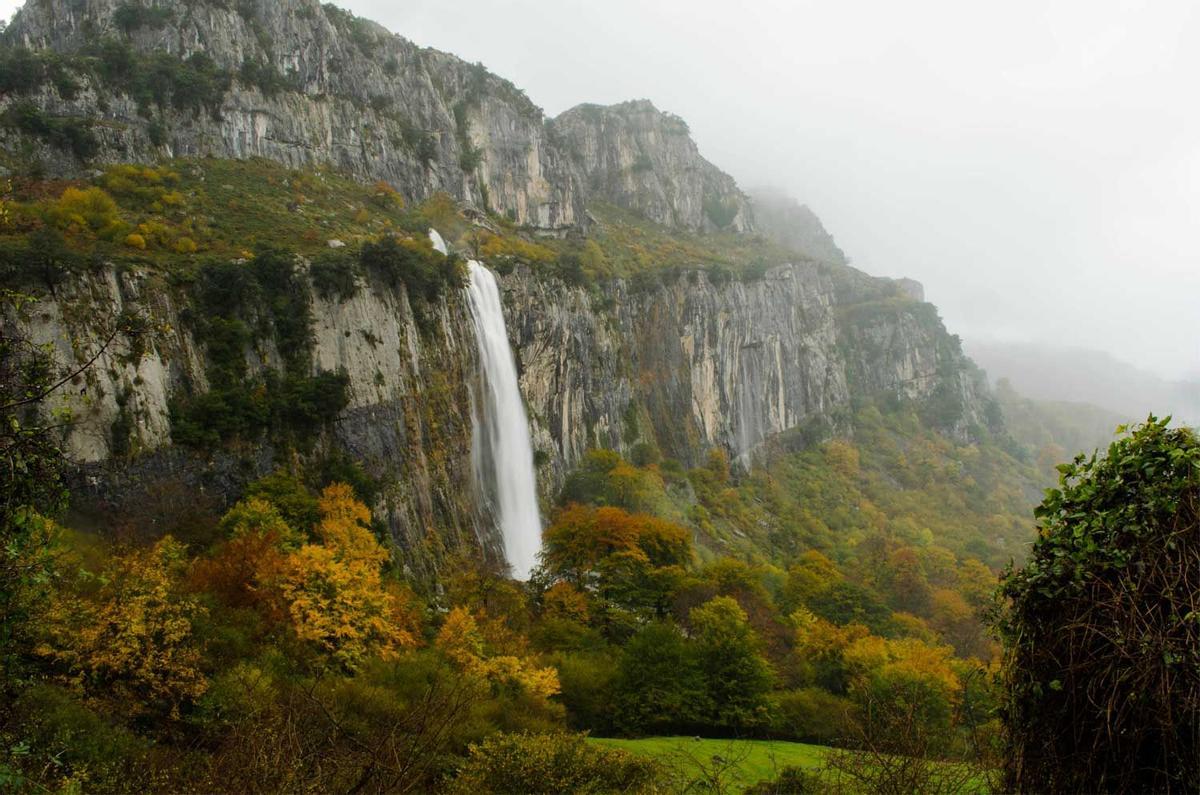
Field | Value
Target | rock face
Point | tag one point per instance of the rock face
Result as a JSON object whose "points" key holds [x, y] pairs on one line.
{"points": [[309, 84], [408, 420], [692, 365], [686, 366], [635, 156]]}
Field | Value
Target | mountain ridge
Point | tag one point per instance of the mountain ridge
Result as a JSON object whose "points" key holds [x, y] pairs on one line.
{"points": [[672, 326], [306, 84]]}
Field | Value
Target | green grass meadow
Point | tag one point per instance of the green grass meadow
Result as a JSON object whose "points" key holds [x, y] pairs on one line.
{"points": [[749, 761]]}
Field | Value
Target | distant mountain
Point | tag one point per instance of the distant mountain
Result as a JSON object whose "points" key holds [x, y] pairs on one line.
{"points": [[1055, 430], [1080, 375]]}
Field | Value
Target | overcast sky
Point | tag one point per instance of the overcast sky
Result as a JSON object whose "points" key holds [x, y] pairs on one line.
{"points": [[1035, 164]]}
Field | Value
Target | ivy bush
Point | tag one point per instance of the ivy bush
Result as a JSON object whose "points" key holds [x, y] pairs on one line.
{"points": [[1101, 626]]}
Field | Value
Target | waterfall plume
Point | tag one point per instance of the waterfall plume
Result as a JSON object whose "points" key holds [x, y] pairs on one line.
{"points": [[501, 453]]}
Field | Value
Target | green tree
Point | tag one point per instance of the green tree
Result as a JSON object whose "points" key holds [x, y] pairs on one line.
{"points": [[736, 676], [660, 686]]}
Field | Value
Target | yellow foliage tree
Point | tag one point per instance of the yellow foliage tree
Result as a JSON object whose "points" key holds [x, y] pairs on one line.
{"points": [[86, 209], [462, 642], [335, 595], [344, 528], [132, 639]]}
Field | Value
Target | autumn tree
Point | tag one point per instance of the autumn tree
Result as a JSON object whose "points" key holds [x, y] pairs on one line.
{"points": [[462, 642], [628, 560], [244, 570], [132, 642], [334, 591], [811, 574]]}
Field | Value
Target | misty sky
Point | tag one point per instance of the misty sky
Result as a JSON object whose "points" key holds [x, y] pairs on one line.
{"points": [[1035, 164]]}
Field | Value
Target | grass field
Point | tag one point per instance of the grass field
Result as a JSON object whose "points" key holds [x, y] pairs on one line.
{"points": [[746, 761], [738, 764]]}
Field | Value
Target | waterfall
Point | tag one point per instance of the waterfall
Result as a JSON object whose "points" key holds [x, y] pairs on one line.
{"points": [[501, 453]]}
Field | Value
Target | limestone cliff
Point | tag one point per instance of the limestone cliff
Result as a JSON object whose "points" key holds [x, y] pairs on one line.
{"points": [[686, 360], [693, 364], [303, 84], [637, 157], [408, 419], [687, 365]]}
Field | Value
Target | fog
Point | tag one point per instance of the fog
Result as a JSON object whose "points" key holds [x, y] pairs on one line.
{"points": [[1035, 164]]}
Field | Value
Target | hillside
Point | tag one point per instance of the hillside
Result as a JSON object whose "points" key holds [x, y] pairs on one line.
{"points": [[664, 325], [244, 254]]}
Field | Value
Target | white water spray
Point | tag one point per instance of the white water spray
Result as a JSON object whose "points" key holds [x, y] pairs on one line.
{"points": [[500, 449]]}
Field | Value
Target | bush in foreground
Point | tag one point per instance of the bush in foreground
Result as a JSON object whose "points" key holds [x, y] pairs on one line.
{"points": [[1102, 630], [552, 763]]}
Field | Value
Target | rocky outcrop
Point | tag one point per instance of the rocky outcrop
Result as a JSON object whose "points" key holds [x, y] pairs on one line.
{"points": [[638, 157], [312, 85], [305, 84]]}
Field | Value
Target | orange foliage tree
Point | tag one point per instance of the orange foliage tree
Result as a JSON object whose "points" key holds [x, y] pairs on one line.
{"points": [[628, 560]]}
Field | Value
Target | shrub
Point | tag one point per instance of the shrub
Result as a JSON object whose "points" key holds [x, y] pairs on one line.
{"points": [[1102, 641], [470, 158], [134, 240], [296, 407], [86, 208], [814, 715], [42, 258], [163, 79], [130, 17], [720, 212], [73, 135], [335, 275], [157, 132], [21, 71], [287, 305], [552, 763], [425, 273], [384, 196], [791, 781], [419, 142], [64, 739], [265, 77]]}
